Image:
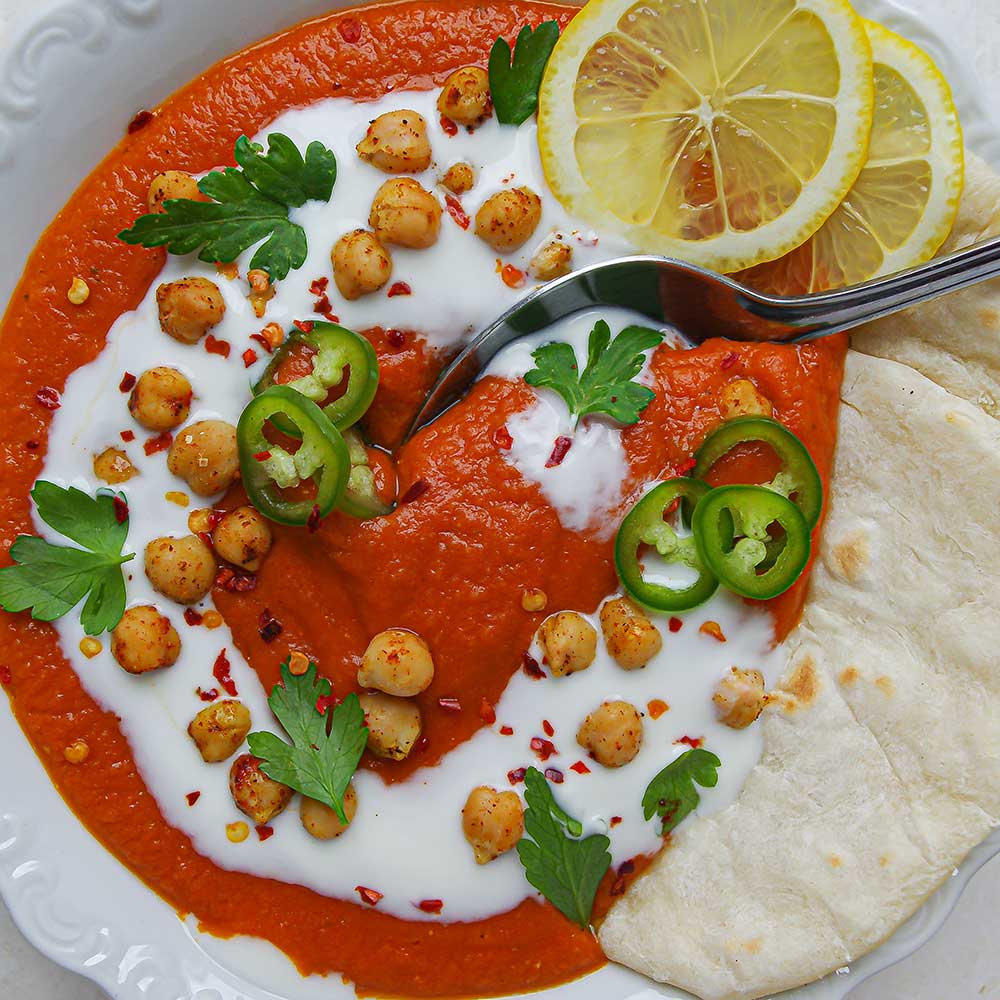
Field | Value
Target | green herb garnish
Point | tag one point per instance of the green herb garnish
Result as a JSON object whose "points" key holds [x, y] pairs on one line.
{"points": [[514, 86], [672, 795], [53, 579], [327, 744], [249, 205], [563, 868], [606, 384]]}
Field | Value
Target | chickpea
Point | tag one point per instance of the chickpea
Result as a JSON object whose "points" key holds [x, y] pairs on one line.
{"points": [[113, 466], [219, 729], [397, 143], [255, 794], [205, 455], [493, 822], [161, 399], [243, 538], [569, 642], [189, 308], [552, 259], [632, 639], [393, 724], [739, 697], [144, 640], [406, 214], [741, 398], [182, 569], [397, 662], [465, 96], [507, 219], [459, 178], [361, 265], [321, 821], [612, 733], [169, 185]]}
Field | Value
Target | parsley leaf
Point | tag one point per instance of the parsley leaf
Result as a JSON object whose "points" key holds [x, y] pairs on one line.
{"points": [[248, 205], [327, 747], [672, 794], [563, 868], [606, 384], [514, 87], [52, 579]]}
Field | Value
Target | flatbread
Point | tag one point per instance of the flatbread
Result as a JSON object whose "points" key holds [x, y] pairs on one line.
{"points": [[881, 766]]}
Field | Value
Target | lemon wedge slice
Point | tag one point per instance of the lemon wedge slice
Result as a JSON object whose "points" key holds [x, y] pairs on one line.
{"points": [[904, 202], [719, 131]]}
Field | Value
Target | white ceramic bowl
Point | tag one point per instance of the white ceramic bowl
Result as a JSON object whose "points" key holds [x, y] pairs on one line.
{"points": [[72, 74]]}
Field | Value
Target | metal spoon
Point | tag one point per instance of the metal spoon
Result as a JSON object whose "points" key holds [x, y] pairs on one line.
{"points": [[700, 304]]}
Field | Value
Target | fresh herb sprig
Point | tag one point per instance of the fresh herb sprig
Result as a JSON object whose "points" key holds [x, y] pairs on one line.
{"points": [[248, 205], [514, 82], [327, 745], [606, 385], [52, 579], [564, 868], [672, 794]]}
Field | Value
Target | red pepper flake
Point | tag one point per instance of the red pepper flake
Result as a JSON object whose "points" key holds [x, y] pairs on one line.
{"points": [[544, 749], [455, 210], [261, 456], [249, 357], [448, 126], [268, 626], [548, 728], [215, 519], [615, 820], [192, 797], [5, 676], [263, 341], [127, 383], [691, 741], [325, 310], [450, 704], [430, 905], [502, 438], [220, 671], [517, 775], [422, 744], [620, 884], [319, 286], [127, 435], [32, 445], [369, 896], [506, 730], [486, 712], [350, 29], [562, 446], [121, 509], [656, 708], [512, 277], [554, 775], [215, 346], [236, 583], [729, 360], [314, 520], [140, 121], [48, 397], [305, 325], [416, 490], [530, 666], [323, 702], [193, 617], [207, 539], [675, 624], [399, 288], [580, 767], [161, 442], [396, 338], [264, 832], [210, 695], [714, 629], [683, 468]]}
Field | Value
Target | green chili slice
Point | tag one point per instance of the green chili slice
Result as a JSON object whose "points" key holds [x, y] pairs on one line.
{"points": [[335, 349], [645, 525], [733, 529], [361, 497], [267, 468], [798, 479]]}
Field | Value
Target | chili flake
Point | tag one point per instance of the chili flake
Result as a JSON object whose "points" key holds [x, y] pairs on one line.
{"points": [[140, 121], [127, 383], [544, 749], [261, 456], [305, 325], [48, 397], [502, 438], [396, 338], [486, 712], [416, 490], [530, 666], [210, 695], [249, 357], [422, 744], [264, 832], [547, 728], [268, 626], [675, 624], [324, 701], [192, 617], [121, 509], [513, 277], [620, 884], [127, 435], [32, 445], [430, 905], [516, 776], [398, 288], [580, 767], [456, 211], [656, 708], [691, 741], [562, 446], [554, 775], [236, 583], [448, 126], [314, 520], [215, 346], [220, 671], [729, 360], [323, 307], [192, 797], [350, 29], [450, 704], [161, 442], [5, 676], [615, 820], [369, 896], [714, 629], [506, 730], [263, 341], [319, 286]]}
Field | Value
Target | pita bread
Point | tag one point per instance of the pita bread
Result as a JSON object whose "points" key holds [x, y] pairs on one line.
{"points": [[881, 766]]}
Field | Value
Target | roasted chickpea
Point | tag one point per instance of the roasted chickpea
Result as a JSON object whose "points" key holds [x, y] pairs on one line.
{"points": [[552, 259], [632, 639], [612, 733], [189, 308], [144, 640], [219, 729], [255, 794], [243, 538], [322, 822], [397, 143], [459, 178], [406, 214], [169, 185], [397, 662], [393, 724], [741, 398], [507, 219], [465, 96], [161, 399], [493, 822], [182, 569], [112, 466], [569, 642], [205, 455], [361, 265], [739, 698]]}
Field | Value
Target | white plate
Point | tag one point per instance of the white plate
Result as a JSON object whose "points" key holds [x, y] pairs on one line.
{"points": [[62, 106]]}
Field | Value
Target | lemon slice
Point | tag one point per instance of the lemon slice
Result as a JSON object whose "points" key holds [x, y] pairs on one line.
{"points": [[720, 131], [904, 202]]}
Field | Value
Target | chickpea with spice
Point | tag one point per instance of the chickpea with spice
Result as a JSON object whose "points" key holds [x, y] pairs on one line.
{"points": [[612, 733], [493, 822], [394, 724], [219, 729], [406, 214], [113, 466], [397, 662], [632, 639], [322, 822], [243, 537], [397, 143], [739, 698], [465, 97], [205, 455], [170, 186], [551, 260], [255, 794], [189, 308], [569, 642], [182, 569], [144, 640], [459, 178], [161, 399], [361, 264], [507, 219]]}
